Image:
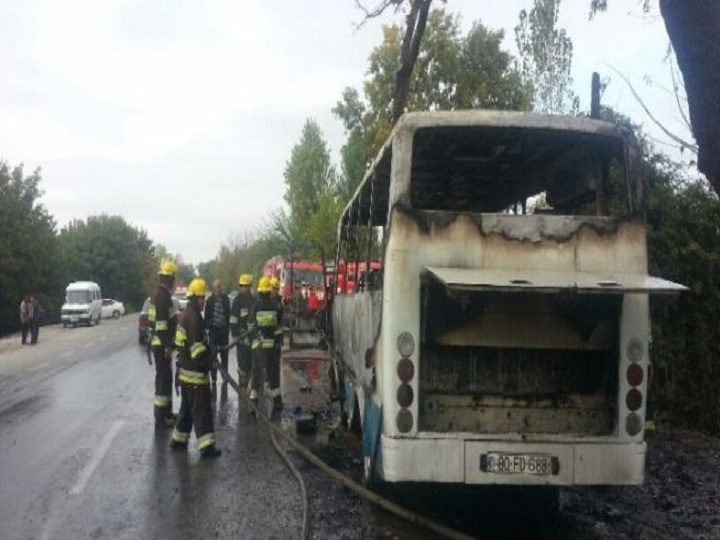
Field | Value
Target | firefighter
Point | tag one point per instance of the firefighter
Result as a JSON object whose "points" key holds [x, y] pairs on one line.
{"points": [[277, 359], [163, 321], [263, 323], [194, 364], [239, 313]]}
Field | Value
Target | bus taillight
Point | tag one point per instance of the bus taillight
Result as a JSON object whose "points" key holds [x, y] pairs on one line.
{"points": [[405, 370], [406, 344], [405, 395], [634, 375]]}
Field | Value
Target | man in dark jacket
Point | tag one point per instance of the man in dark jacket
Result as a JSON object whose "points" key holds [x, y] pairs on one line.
{"points": [[241, 307], [194, 362], [162, 318], [217, 324]]}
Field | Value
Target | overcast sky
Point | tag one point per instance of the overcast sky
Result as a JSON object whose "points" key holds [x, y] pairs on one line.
{"points": [[143, 108]]}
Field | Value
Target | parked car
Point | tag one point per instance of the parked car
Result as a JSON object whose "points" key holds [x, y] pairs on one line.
{"points": [[112, 308], [143, 323]]}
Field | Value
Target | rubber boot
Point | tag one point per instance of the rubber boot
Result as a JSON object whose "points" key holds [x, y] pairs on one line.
{"points": [[210, 452]]}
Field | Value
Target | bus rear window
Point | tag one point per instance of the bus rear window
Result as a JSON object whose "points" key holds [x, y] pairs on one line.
{"points": [[488, 169]]}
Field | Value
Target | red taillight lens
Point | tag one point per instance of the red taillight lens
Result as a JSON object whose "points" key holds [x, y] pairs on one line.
{"points": [[405, 370], [405, 395], [634, 375], [633, 399]]}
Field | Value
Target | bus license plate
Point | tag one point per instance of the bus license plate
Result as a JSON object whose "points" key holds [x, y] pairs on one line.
{"points": [[500, 462]]}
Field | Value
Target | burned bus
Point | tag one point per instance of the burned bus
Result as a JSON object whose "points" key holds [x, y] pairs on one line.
{"points": [[505, 340]]}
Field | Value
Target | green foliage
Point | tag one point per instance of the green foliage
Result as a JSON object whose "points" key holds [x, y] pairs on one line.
{"points": [[452, 72], [546, 55], [28, 254], [684, 245], [307, 173], [108, 250]]}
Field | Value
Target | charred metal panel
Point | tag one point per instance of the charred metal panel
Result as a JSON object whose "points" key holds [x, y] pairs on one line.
{"points": [[356, 324], [516, 362], [525, 391]]}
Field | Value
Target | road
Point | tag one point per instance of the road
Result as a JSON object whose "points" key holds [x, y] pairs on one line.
{"points": [[79, 456]]}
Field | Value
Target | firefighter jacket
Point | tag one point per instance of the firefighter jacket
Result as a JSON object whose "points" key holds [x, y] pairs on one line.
{"points": [[194, 357], [162, 317], [263, 322], [279, 330], [240, 313]]}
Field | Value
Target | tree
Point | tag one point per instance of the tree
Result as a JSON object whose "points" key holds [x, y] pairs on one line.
{"points": [[308, 173], [546, 57], [453, 72], [683, 246], [28, 250], [415, 22], [112, 252], [693, 27]]}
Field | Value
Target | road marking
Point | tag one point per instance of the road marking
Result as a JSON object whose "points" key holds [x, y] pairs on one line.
{"points": [[88, 345], [89, 469], [66, 354]]}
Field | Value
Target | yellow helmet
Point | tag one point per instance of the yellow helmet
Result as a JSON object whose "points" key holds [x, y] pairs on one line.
{"points": [[274, 282], [197, 287], [168, 268], [264, 285], [245, 279]]}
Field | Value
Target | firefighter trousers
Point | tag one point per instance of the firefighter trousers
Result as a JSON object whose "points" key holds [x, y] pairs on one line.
{"points": [[266, 360], [244, 358], [195, 410], [163, 385]]}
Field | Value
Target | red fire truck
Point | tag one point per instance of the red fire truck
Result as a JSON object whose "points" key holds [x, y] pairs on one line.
{"points": [[297, 277]]}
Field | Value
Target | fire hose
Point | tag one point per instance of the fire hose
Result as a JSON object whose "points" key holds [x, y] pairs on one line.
{"points": [[343, 480]]}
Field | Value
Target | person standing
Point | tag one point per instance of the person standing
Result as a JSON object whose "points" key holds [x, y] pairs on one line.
{"points": [[239, 314], [217, 324], [194, 363], [263, 323], [36, 316], [162, 317], [279, 334], [25, 317]]}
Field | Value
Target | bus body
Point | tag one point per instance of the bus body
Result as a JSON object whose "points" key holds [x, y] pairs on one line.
{"points": [[506, 339]]}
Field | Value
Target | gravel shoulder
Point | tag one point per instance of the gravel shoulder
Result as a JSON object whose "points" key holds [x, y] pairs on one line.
{"points": [[679, 499]]}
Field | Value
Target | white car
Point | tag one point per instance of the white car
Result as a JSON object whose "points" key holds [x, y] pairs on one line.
{"points": [[112, 309]]}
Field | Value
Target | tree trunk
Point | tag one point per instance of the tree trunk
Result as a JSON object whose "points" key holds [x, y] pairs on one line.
{"points": [[694, 30], [416, 21]]}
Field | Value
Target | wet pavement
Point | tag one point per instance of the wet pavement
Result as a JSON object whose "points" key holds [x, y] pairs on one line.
{"points": [[79, 458]]}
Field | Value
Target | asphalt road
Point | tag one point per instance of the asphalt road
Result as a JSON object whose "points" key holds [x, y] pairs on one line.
{"points": [[79, 456]]}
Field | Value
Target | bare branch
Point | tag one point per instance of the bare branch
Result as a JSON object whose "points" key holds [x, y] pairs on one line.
{"points": [[683, 143], [676, 88], [377, 10]]}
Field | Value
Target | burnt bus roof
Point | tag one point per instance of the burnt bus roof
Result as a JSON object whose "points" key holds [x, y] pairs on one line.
{"points": [[485, 160]]}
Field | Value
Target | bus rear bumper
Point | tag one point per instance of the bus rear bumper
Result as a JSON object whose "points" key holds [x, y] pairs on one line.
{"points": [[461, 461]]}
